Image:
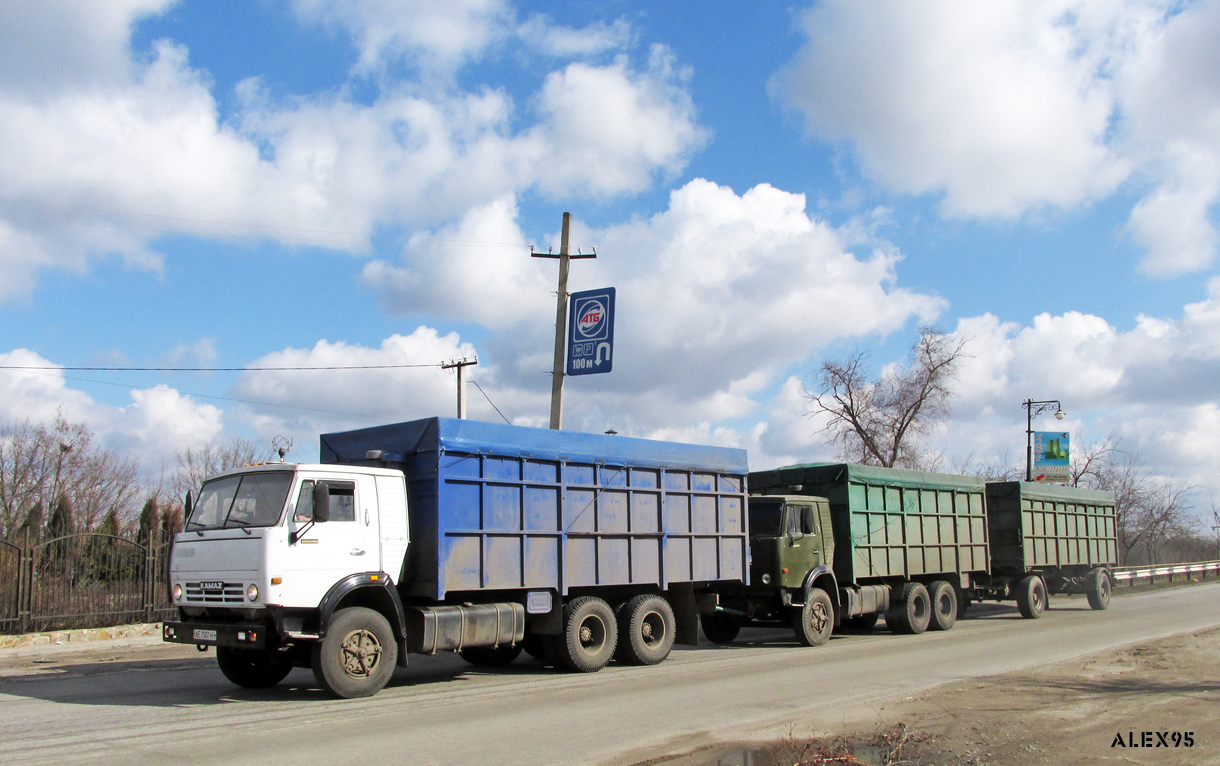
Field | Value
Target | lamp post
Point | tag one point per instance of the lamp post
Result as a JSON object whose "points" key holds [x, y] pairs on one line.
{"points": [[1032, 410]]}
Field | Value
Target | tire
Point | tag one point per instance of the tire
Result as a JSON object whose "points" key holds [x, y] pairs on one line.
{"points": [[912, 611], [251, 668], [1031, 597], [490, 656], [719, 628], [590, 634], [814, 621], [358, 654], [1100, 589], [861, 622], [944, 605], [646, 628]]}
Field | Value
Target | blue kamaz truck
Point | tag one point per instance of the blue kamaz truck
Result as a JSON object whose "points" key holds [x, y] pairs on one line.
{"points": [[453, 535]]}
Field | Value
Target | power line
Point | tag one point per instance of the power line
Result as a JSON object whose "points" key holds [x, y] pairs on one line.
{"points": [[231, 399], [489, 401], [219, 369]]}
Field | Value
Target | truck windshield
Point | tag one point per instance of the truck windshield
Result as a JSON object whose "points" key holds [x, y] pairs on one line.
{"points": [[766, 518], [247, 500]]}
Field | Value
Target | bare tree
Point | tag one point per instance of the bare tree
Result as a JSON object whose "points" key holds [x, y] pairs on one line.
{"points": [[195, 465], [884, 421], [40, 464]]}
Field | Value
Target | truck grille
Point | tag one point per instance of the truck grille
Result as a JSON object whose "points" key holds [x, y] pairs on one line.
{"points": [[227, 593]]}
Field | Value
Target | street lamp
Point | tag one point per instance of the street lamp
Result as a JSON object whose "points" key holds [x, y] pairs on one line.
{"points": [[1032, 410]]}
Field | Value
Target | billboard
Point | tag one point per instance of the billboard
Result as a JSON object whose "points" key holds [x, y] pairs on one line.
{"points": [[1051, 456], [591, 332]]}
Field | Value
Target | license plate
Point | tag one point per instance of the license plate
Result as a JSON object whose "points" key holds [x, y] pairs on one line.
{"points": [[199, 634]]}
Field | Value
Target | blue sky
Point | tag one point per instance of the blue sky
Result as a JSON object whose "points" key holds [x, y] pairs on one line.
{"points": [[358, 182]]}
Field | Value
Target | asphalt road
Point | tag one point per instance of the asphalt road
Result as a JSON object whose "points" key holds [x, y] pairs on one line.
{"points": [[140, 702]]}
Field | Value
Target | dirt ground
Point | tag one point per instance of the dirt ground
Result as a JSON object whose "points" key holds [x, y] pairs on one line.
{"points": [[1155, 703]]}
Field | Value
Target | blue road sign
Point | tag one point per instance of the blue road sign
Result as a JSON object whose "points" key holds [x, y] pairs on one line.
{"points": [[591, 332]]}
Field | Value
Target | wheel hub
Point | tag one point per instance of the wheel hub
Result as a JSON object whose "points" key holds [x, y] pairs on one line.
{"points": [[360, 652]]}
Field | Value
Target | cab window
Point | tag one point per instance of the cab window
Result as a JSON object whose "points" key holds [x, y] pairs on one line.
{"points": [[342, 501]]}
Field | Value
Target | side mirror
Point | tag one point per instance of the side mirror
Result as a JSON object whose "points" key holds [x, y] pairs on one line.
{"points": [[321, 502], [186, 506]]}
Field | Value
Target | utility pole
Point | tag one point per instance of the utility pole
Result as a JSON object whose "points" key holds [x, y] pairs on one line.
{"points": [[460, 364], [561, 319]]}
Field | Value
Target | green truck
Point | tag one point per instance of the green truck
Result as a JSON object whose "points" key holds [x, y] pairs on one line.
{"points": [[841, 545]]}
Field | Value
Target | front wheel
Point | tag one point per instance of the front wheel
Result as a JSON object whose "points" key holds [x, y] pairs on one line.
{"points": [[252, 668], [357, 656], [815, 620], [1031, 597], [1099, 589]]}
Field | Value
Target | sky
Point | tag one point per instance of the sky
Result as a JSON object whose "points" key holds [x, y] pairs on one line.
{"points": [[337, 183]]}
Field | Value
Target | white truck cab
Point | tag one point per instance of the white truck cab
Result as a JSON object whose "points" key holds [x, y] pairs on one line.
{"points": [[266, 548]]}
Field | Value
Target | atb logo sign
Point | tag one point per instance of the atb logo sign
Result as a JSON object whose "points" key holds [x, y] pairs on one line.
{"points": [[591, 319], [591, 332]]}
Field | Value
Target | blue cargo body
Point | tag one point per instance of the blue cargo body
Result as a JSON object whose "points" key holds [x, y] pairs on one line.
{"points": [[506, 508]]}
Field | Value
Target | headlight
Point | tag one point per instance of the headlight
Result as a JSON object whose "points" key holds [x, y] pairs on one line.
{"points": [[177, 591], [252, 592], [766, 579]]}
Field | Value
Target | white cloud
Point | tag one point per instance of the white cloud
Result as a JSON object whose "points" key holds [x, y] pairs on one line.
{"points": [[1153, 386], [471, 271], [34, 58], [539, 33], [440, 35], [302, 404], [93, 169], [1001, 108], [159, 422], [607, 129]]}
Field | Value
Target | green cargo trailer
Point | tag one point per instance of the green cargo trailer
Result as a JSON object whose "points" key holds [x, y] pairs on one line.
{"points": [[1048, 539], [898, 543]]}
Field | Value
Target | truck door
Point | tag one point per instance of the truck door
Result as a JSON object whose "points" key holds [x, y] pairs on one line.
{"points": [[803, 550], [326, 552]]}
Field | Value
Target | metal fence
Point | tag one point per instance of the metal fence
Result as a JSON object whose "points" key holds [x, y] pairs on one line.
{"points": [[1133, 575], [86, 580]]}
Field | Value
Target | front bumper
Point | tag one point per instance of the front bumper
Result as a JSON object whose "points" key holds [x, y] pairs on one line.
{"points": [[234, 635]]}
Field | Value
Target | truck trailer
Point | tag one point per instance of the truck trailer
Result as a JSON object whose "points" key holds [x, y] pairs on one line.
{"points": [[846, 544], [1047, 539], [839, 545], [452, 535]]}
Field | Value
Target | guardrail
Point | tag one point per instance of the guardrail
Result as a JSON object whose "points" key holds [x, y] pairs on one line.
{"points": [[1132, 575]]}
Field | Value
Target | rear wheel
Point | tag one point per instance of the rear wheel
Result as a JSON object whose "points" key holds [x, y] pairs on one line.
{"points": [[720, 628], [252, 668], [814, 621], [490, 656], [944, 605], [1099, 589], [357, 656], [911, 612], [645, 630], [1031, 597], [589, 636]]}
